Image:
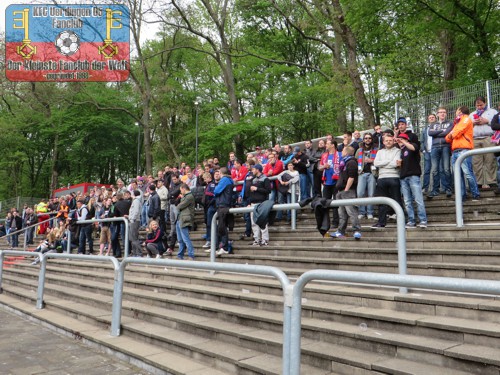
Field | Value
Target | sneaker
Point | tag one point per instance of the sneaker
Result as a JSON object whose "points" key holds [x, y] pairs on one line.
{"points": [[264, 243], [327, 234], [158, 256], [370, 217], [423, 224], [221, 251], [361, 216], [448, 194], [169, 251], [476, 199], [393, 217], [207, 245], [410, 225], [204, 237], [190, 258], [207, 250], [337, 234], [148, 256], [357, 235], [377, 226], [256, 243]]}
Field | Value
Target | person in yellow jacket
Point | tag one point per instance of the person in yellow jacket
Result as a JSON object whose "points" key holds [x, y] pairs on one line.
{"points": [[462, 140], [41, 209]]}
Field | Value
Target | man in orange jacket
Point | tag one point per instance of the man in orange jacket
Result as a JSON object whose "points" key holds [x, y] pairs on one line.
{"points": [[462, 140]]}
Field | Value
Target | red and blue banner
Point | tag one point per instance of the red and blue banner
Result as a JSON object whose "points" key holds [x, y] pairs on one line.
{"points": [[67, 43]]}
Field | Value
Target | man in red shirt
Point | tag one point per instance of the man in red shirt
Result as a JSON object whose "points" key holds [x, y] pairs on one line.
{"points": [[273, 167]]}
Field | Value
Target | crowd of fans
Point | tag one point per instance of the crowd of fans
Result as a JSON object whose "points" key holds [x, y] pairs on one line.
{"points": [[378, 163]]}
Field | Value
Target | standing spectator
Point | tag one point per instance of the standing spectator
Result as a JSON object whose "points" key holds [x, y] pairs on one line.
{"points": [[223, 201], [209, 206], [330, 167], [154, 210], [15, 226], [82, 214], [348, 141], [461, 139], [409, 175], [173, 196], [425, 148], [286, 179], [134, 218], [356, 137], [367, 180], [317, 174], [309, 152], [8, 223], [162, 192], [288, 155], [301, 163], [260, 188], [346, 186], [30, 219], [378, 140], [484, 165], [273, 168], [244, 198], [105, 237], [440, 154], [388, 161], [230, 163], [185, 221]]}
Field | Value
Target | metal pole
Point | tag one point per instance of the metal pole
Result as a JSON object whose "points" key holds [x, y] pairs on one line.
{"points": [[196, 104], [41, 282], [138, 147], [294, 211], [488, 94], [1, 270]]}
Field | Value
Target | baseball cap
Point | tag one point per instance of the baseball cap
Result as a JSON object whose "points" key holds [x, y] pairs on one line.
{"points": [[258, 166]]}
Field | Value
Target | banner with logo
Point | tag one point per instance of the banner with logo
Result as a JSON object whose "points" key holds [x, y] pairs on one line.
{"points": [[66, 43]]}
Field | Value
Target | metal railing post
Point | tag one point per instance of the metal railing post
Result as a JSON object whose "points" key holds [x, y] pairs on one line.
{"points": [[488, 94], [294, 211], [457, 176], [41, 282], [1, 269], [117, 299], [425, 282], [213, 238], [228, 267]]}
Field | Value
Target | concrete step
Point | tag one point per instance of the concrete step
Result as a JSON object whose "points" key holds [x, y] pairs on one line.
{"points": [[384, 337]]}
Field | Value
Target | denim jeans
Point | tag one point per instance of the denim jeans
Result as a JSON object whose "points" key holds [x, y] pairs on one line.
{"points": [[366, 181], [85, 235], [184, 241], [412, 191], [282, 199], [210, 214], [467, 174], [440, 156], [427, 171], [144, 214], [305, 188]]}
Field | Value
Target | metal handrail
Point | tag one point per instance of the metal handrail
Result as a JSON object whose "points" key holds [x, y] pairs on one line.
{"points": [[407, 281], [109, 220], [457, 175], [400, 223], [25, 229], [293, 222]]}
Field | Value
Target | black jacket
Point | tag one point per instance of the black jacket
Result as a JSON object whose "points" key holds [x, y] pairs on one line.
{"points": [[263, 189]]}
